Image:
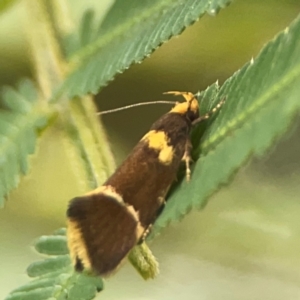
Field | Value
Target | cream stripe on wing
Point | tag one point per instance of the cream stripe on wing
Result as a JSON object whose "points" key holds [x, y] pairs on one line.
{"points": [[76, 245]]}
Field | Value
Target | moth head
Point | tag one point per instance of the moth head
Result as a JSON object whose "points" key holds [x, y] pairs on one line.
{"points": [[189, 108]]}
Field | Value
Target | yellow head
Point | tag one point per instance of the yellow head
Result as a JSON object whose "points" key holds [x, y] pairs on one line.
{"points": [[190, 108]]}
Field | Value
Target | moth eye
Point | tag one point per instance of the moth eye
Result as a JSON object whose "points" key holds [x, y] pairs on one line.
{"points": [[191, 115]]}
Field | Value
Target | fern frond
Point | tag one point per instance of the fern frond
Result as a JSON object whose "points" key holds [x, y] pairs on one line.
{"points": [[54, 276], [21, 119], [128, 34]]}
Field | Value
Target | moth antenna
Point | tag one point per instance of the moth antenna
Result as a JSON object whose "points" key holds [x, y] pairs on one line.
{"points": [[135, 105], [186, 95]]}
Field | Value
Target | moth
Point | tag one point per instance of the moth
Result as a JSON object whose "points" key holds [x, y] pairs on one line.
{"points": [[105, 224]]}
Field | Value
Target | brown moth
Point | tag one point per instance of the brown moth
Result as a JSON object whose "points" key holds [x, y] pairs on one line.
{"points": [[105, 224]]}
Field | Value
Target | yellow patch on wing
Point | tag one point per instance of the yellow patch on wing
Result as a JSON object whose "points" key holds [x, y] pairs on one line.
{"points": [[158, 140], [76, 245]]}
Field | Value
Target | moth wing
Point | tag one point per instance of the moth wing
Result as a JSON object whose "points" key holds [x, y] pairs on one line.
{"points": [[101, 231]]}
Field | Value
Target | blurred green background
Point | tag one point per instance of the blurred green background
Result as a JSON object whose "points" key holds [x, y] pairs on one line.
{"points": [[245, 243]]}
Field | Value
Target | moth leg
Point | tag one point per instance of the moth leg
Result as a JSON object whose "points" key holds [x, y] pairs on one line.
{"points": [[210, 113], [187, 159], [145, 234]]}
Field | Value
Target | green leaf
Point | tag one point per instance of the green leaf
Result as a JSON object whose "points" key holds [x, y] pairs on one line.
{"points": [[85, 288], [21, 120], [128, 34], [56, 279], [261, 102], [49, 265], [60, 231], [77, 40], [37, 284], [87, 28], [37, 294], [52, 245]]}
